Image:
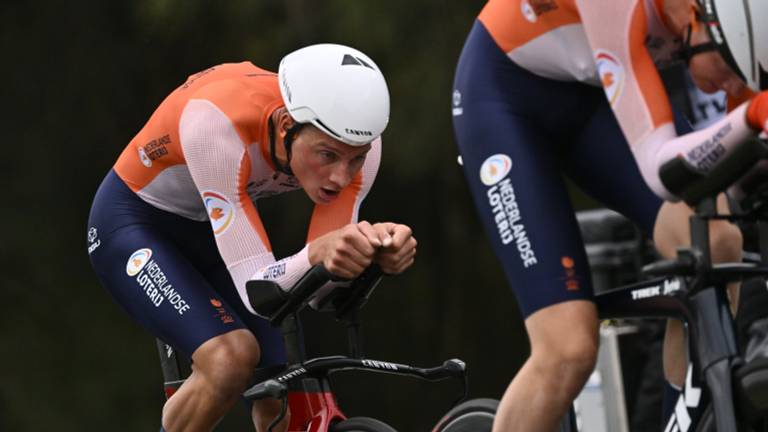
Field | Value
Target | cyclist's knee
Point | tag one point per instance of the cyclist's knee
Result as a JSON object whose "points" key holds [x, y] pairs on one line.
{"points": [[228, 361], [564, 340], [725, 242], [572, 360]]}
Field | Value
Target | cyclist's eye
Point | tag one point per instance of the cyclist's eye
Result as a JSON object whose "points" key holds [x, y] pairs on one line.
{"points": [[327, 155]]}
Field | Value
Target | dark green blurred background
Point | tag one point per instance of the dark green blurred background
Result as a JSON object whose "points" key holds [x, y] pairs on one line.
{"points": [[81, 78]]}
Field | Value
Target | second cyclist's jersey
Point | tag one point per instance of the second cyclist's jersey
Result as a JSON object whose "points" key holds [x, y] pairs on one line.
{"points": [[615, 44], [204, 154]]}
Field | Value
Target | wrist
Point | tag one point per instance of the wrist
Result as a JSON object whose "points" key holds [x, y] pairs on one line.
{"points": [[317, 249]]}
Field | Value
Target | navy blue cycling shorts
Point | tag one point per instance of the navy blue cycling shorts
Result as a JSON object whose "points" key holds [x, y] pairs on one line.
{"points": [[166, 272], [519, 134]]}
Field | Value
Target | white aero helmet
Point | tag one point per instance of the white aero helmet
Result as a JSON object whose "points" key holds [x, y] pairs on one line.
{"points": [[736, 29], [338, 89]]}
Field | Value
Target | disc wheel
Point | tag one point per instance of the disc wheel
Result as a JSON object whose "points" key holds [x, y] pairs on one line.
{"points": [[361, 424], [475, 415]]}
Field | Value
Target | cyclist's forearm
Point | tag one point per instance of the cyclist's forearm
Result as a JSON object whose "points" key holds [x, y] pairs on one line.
{"points": [[702, 149]]}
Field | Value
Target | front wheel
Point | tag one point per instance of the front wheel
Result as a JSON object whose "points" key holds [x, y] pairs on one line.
{"points": [[361, 424], [474, 415]]}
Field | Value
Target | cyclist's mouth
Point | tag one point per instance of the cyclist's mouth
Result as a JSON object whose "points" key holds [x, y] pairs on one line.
{"points": [[328, 195]]}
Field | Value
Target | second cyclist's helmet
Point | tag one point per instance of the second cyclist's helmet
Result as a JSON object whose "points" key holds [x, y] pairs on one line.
{"points": [[736, 29]]}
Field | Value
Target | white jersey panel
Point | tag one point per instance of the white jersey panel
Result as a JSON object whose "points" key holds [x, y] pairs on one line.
{"points": [[174, 191], [215, 156], [561, 54]]}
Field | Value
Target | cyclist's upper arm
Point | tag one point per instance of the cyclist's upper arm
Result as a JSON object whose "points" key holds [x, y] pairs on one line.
{"points": [[616, 31]]}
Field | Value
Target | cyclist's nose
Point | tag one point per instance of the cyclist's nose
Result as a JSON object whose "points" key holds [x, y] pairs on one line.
{"points": [[340, 175]]}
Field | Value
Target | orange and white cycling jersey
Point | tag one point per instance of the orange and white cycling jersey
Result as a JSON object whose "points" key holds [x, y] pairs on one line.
{"points": [[204, 154], [613, 44]]}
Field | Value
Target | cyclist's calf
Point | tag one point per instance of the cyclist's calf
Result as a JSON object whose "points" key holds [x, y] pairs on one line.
{"points": [[564, 342]]}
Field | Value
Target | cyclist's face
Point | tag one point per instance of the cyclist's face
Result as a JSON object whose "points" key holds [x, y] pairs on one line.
{"points": [[324, 165], [709, 70]]}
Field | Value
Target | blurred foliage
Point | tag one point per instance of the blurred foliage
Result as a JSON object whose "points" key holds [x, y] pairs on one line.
{"points": [[80, 80]]}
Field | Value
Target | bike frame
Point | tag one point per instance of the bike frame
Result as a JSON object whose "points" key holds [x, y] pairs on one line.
{"points": [[305, 386], [699, 299]]}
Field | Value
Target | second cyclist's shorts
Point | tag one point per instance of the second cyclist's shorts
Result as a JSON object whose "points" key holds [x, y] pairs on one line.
{"points": [[518, 134]]}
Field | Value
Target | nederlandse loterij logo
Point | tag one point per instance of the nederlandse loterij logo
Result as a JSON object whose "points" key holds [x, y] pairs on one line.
{"points": [[528, 11], [137, 261], [495, 168], [611, 73], [144, 158], [220, 211]]}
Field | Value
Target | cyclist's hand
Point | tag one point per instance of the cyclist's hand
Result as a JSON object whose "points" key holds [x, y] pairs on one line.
{"points": [[398, 247], [346, 252]]}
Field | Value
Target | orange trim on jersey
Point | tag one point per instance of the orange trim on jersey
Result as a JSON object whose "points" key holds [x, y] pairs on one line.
{"points": [[757, 113], [245, 201], [506, 23], [735, 102], [332, 216], [662, 16], [647, 77]]}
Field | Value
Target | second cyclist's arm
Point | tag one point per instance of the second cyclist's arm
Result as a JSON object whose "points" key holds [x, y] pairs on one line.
{"points": [[617, 37]]}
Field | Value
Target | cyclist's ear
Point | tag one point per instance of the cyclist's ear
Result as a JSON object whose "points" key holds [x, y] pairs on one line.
{"points": [[283, 122]]}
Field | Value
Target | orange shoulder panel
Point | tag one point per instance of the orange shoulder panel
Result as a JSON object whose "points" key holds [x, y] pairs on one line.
{"points": [[515, 23], [244, 92], [644, 70]]}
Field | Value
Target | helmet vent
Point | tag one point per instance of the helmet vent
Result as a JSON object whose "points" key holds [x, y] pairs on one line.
{"points": [[352, 60]]}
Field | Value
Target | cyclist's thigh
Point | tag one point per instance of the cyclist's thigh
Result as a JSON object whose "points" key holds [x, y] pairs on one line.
{"points": [[502, 117], [149, 276], [601, 163], [269, 337]]}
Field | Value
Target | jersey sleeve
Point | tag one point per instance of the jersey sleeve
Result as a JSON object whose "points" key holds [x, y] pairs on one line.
{"points": [[219, 164], [616, 32]]}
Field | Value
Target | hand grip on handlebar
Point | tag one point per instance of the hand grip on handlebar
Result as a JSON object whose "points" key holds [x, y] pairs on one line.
{"points": [[267, 389], [449, 368]]}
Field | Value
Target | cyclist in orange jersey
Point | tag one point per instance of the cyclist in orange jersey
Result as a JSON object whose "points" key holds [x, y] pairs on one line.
{"points": [[174, 232], [551, 87]]}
